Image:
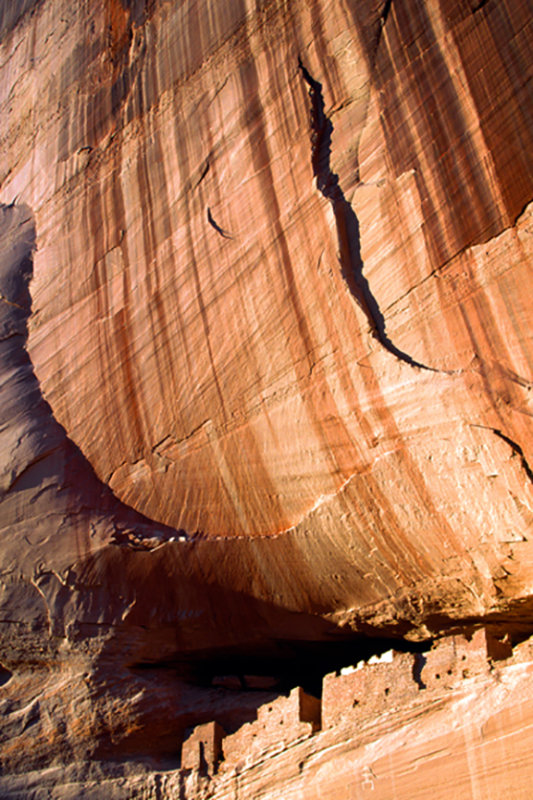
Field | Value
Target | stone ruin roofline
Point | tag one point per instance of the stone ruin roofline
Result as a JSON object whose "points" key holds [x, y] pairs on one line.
{"points": [[353, 694]]}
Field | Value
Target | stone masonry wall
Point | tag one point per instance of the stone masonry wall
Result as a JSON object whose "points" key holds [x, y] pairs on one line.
{"points": [[355, 694], [455, 658], [202, 749], [369, 689], [284, 720]]}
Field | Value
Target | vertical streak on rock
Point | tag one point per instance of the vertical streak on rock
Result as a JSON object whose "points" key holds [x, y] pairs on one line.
{"points": [[346, 222], [262, 159]]}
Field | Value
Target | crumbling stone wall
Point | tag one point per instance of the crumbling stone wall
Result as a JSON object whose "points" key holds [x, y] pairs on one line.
{"points": [[201, 750], [455, 658], [361, 692], [356, 693], [284, 720]]}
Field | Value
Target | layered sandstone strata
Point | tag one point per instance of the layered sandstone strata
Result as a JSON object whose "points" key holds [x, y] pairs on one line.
{"points": [[266, 344]]}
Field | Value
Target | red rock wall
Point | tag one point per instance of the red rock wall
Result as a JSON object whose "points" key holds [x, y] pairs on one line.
{"points": [[245, 353], [271, 376]]}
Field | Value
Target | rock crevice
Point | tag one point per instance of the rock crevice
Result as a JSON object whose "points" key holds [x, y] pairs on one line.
{"points": [[346, 222]]}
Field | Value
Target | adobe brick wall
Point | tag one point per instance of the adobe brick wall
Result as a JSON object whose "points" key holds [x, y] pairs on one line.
{"points": [[280, 722], [201, 750], [355, 694], [455, 658], [368, 690]]}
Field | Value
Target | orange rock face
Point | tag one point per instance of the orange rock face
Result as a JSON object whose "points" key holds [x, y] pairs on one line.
{"points": [[266, 353]]}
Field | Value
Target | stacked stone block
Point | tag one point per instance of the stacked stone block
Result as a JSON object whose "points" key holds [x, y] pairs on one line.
{"points": [[201, 750], [355, 694], [456, 658], [361, 692], [280, 722]]}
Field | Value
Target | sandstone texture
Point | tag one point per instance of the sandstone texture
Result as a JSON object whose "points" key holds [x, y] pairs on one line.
{"points": [[265, 368]]}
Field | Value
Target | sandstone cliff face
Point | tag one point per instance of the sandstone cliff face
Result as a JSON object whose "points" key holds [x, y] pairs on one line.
{"points": [[271, 377]]}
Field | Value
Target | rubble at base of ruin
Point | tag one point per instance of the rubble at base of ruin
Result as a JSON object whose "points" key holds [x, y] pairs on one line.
{"points": [[354, 695]]}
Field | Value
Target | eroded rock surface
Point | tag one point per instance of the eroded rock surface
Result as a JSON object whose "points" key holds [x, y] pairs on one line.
{"points": [[266, 355]]}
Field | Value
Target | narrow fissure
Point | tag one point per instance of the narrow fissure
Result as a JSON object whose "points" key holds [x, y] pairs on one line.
{"points": [[216, 226], [479, 5], [519, 452], [346, 222], [385, 12], [5, 675], [515, 447]]}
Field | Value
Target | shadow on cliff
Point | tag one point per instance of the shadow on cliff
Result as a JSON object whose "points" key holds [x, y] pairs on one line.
{"points": [[154, 609], [88, 573], [34, 446], [93, 568], [119, 569]]}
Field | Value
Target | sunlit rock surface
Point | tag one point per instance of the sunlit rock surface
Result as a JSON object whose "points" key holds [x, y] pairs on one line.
{"points": [[265, 345]]}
